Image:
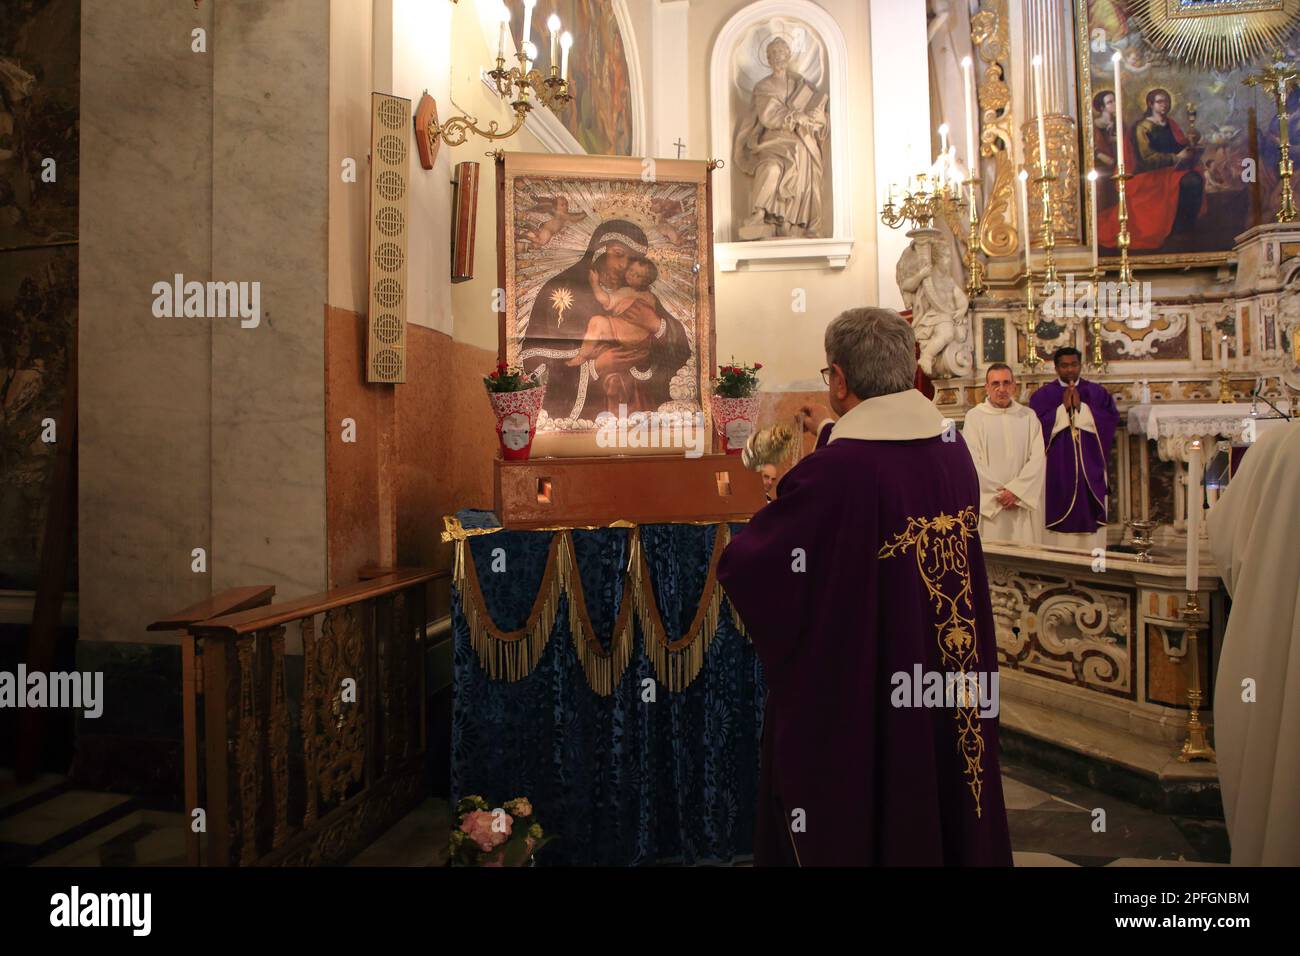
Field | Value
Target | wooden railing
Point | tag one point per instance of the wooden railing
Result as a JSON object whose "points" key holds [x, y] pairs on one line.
{"points": [[303, 758]]}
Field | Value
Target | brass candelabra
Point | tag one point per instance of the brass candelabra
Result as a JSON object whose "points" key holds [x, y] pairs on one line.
{"points": [[1197, 745], [1044, 179], [975, 283], [922, 206], [1278, 78], [1098, 358], [1032, 358], [523, 83], [935, 200]]}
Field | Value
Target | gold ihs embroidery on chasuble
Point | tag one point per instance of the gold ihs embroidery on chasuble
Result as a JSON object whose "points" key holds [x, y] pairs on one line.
{"points": [[940, 547]]}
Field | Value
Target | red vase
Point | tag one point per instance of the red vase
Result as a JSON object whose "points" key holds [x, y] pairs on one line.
{"points": [[734, 420], [516, 414]]}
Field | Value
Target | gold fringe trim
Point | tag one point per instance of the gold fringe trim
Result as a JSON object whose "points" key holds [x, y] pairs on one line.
{"points": [[509, 655], [513, 655], [604, 668], [453, 530]]}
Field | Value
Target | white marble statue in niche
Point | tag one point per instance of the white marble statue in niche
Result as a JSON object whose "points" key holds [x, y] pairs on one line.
{"points": [[780, 139], [938, 303]]}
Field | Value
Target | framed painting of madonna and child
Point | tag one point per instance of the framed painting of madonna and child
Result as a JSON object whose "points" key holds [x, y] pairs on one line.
{"points": [[607, 271]]}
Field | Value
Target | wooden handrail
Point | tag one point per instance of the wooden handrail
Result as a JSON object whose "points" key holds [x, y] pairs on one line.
{"points": [[257, 619], [371, 571], [229, 601]]}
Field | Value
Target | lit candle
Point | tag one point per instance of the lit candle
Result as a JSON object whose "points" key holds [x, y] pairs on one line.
{"points": [[528, 23], [505, 28], [566, 41], [1223, 351], [1194, 471], [553, 24], [1092, 212], [1038, 105], [1023, 177], [1119, 113], [943, 153], [972, 146]]}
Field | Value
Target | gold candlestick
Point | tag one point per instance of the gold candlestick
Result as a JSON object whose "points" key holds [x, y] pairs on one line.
{"points": [[1197, 745], [1094, 324], [1045, 180], [974, 268], [1032, 359], [1225, 387], [1278, 79], [1125, 267]]}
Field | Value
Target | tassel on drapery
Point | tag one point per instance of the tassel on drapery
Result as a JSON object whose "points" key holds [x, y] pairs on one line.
{"points": [[512, 655]]}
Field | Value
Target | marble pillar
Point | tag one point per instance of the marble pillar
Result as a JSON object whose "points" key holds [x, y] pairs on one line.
{"points": [[1048, 27], [195, 432]]}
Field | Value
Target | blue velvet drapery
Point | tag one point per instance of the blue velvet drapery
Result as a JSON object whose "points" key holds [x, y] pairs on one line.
{"points": [[618, 781]]}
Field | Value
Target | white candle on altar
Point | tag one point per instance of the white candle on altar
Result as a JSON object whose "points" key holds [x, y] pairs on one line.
{"points": [[1023, 179], [528, 23], [1092, 214], [1038, 106], [566, 41], [1194, 474], [1119, 113], [972, 146]]}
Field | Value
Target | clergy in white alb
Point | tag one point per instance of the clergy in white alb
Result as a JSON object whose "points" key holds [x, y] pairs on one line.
{"points": [[1006, 444], [1254, 532]]}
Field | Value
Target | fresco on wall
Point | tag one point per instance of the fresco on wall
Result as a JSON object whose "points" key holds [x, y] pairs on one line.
{"points": [[600, 114], [39, 101]]}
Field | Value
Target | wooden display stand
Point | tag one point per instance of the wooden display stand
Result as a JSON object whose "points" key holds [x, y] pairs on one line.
{"points": [[580, 492]]}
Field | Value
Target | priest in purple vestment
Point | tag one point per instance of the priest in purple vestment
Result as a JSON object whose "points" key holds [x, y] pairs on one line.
{"points": [[1079, 419], [862, 586]]}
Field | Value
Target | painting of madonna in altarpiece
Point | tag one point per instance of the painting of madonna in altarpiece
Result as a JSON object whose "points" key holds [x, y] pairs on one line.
{"points": [[607, 268]]}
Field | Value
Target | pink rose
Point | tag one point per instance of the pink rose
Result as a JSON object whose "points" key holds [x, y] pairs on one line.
{"points": [[479, 826]]}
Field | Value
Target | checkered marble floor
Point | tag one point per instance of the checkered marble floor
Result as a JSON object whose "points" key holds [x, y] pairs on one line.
{"points": [[1056, 822]]}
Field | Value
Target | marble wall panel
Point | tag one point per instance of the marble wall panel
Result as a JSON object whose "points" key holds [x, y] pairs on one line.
{"points": [[270, 150], [145, 397]]}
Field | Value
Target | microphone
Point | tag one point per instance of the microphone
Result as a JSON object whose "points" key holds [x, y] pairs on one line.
{"points": [[1258, 394]]}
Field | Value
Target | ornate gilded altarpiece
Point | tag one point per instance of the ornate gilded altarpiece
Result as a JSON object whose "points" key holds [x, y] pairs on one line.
{"points": [[1198, 53]]}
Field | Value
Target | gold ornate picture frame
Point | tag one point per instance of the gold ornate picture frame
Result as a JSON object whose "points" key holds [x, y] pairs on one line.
{"points": [[1213, 112], [606, 267]]}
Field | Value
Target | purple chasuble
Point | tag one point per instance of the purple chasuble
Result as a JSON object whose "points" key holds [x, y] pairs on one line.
{"points": [[865, 573], [1076, 458]]}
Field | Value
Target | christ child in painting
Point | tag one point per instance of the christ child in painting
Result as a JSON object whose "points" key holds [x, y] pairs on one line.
{"points": [[625, 329]]}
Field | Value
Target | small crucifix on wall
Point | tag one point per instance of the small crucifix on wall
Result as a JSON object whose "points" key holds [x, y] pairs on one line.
{"points": [[680, 146]]}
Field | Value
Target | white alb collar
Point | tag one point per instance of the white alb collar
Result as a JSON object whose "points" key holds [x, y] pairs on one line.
{"points": [[901, 416]]}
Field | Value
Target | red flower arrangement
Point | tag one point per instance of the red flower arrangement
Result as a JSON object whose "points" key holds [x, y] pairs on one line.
{"points": [[736, 381]]}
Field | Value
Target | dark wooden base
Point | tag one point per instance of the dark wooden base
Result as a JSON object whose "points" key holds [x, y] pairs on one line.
{"points": [[576, 492]]}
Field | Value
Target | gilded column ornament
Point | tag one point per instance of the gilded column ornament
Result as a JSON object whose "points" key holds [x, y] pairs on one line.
{"points": [[989, 38], [1063, 158]]}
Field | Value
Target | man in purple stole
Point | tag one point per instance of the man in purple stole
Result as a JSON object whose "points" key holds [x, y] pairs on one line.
{"points": [[1079, 419], [862, 586]]}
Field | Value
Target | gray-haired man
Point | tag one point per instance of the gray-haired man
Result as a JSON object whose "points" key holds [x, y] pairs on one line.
{"points": [[864, 576]]}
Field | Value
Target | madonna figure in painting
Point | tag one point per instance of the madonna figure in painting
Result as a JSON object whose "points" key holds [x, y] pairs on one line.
{"points": [[601, 332]]}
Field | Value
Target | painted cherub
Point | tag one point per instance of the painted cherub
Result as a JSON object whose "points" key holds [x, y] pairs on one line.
{"points": [[665, 209], [624, 326], [558, 209]]}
